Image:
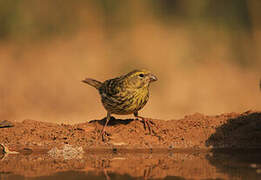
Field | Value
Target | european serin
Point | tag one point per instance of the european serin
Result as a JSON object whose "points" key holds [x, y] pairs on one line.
{"points": [[126, 94]]}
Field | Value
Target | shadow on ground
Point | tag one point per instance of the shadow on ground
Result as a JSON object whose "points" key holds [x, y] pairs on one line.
{"points": [[113, 121], [243, 134], [238, 132]]}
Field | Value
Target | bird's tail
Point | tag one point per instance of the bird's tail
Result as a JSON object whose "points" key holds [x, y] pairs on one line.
{"points": [[92, 82]]}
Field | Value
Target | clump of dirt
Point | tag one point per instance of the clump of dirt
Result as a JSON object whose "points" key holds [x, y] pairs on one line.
{"points": [[195, 131]]}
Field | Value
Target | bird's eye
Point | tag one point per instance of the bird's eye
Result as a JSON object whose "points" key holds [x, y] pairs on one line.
{"points": [[141, 75]]}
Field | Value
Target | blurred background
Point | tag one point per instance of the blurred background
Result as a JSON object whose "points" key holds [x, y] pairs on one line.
{"points": [[206, 55]]}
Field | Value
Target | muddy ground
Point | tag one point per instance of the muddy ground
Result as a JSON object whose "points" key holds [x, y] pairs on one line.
{"points": [[175, 148], [195, 131]]}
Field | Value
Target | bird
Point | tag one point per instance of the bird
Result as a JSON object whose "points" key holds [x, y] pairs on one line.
{"points": [[126, 94]]}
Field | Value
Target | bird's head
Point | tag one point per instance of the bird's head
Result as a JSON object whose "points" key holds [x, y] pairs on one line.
{"points": [[139, 78]]}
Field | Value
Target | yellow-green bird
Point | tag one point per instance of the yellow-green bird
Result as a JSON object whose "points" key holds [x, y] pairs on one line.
{"points": [[124, 95]]}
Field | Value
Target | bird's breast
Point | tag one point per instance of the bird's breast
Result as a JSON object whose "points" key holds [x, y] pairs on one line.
{"points": [[125, 102]]}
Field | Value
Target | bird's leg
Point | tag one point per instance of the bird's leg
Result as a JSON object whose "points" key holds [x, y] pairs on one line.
{"points": [[145, 121], [105, 125]]}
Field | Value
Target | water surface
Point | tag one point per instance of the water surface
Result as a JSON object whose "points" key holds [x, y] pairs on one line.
{"points": [[171, 165]]}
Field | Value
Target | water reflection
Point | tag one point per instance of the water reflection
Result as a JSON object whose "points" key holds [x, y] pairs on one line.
{"points": [[173, 165], [238, 165]]}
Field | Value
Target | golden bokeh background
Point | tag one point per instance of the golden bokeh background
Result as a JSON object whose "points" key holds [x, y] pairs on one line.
{"points": [[206, 55]]}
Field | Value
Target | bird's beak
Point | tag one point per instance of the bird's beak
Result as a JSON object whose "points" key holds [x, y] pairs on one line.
{"points": [[153, 78]]}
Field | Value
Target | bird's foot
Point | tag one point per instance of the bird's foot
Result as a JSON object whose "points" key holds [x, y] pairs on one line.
{"points": [[104, 136], [147, 123]]}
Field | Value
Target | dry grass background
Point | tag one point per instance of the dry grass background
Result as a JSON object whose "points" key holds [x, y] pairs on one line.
{"points": [[201, 67]]}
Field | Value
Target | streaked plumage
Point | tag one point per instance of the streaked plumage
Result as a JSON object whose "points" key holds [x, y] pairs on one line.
{"points": [[126, 94]]}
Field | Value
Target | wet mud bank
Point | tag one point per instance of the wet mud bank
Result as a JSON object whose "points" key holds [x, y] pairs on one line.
{"points": [[193, 132], [194, 147]]}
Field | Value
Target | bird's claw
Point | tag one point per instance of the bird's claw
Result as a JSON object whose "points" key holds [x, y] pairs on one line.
{"points": [[147, 124], [104, 135]]}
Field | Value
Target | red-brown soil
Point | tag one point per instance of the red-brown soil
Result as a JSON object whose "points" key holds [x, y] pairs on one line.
{"points": [[195, 131], [177, 148]]}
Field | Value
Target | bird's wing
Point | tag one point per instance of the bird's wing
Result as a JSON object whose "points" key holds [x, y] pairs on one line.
{"points": [[110, 87]]}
